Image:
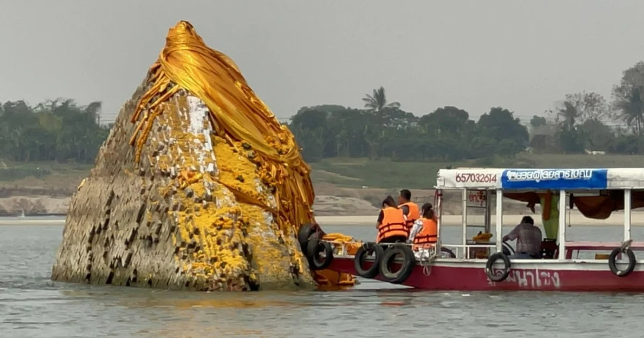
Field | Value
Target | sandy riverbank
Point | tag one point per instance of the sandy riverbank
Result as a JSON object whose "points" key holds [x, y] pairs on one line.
{"points": [[355, 202], [575, 218]]}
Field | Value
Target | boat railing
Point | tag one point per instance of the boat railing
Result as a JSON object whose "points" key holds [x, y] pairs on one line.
{"points": [[463, 251], [340, 248]]}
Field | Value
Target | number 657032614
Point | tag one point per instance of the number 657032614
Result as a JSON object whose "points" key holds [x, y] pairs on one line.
{"points": [[475, 178]]}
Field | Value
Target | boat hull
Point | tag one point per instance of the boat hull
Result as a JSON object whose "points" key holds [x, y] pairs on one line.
{"points": [[536, 275]]}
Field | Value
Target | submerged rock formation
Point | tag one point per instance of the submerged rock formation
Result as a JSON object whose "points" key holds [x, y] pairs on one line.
{"points": [[198, 186]]}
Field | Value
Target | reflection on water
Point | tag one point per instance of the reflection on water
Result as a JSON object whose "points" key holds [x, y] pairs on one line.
{"points": [[33, 306]]}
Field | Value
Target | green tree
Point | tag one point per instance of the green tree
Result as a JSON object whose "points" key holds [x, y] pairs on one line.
{"points": [[57, 130], [537, 121], [628, 98], [586, 106], [597, 135], [447, 122], [378, 101], [506, 132]]}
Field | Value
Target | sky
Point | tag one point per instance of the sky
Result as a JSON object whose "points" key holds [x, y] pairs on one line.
{"points": [[520, 55]]}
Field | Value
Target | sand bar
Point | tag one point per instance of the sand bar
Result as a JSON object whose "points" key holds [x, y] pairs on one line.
{"points": [[575, 218], [31, 221]]}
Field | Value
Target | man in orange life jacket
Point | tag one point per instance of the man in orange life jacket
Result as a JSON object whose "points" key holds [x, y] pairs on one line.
{"points": [[425, 230], [410, 209], [391, 223]]}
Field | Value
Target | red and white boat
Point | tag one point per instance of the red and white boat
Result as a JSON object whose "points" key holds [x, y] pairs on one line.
{"points": [[471, 266]]}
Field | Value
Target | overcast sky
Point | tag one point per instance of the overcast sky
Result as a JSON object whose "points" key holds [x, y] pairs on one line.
{"points": [[521, 55]]}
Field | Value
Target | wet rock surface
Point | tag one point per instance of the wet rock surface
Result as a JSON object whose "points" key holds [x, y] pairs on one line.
{"points": [[173, 202]]}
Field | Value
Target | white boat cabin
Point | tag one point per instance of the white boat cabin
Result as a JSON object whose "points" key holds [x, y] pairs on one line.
{"points": [[595, 193]]}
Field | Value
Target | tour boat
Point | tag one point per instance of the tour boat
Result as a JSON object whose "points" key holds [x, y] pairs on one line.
{"points": [[473, 265]]}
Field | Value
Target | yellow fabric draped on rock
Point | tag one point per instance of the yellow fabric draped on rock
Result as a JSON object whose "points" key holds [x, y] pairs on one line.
{"points": [[236, 114]]}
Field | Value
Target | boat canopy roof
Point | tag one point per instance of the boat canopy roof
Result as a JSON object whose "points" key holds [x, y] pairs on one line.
{"points": [[533, 186], [541, 179]]}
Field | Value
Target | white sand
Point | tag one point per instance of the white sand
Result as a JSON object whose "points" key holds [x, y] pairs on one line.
{"points": [[575, 218], [31, 221], [616, 219]]}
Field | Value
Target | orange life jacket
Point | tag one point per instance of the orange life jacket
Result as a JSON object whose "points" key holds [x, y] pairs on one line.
{"points": [[393, 224], [428, 235], [412, 215]]}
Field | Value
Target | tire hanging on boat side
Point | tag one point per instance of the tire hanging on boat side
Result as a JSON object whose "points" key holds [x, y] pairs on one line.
{"points": [[304, 234], [362, 253], [612, 264], [490, 264], [313, 249], [406, 266]]}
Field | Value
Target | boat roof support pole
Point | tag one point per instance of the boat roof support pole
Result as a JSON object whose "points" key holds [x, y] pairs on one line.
{"points": [[488, 211], [562, 224], [439, 219], [627, 214], [499, 220], [466, 253]]}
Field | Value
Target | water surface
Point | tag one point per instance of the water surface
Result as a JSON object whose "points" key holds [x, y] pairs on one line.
{"points": [[33, 306]]}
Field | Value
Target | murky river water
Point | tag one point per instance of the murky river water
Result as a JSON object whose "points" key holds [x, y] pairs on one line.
{"points": [[33, 306]]}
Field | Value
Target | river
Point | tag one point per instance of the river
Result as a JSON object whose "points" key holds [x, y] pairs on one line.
{"points": [[31, 305]]}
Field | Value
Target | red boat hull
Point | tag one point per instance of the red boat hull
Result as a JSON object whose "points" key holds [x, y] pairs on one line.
{"points": [[537, 275]]}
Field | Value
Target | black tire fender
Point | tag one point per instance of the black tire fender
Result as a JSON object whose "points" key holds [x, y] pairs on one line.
{"points": [[612, 264], [407, 266], [304, 234], [313, 250], [449, 252], [365, 250], [490, 264]]}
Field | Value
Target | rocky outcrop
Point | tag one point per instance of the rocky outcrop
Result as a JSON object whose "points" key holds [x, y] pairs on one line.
{"points": [[197, 187]]}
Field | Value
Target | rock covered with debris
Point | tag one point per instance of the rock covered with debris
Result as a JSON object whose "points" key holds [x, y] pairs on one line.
{"points": [[198, 186]]}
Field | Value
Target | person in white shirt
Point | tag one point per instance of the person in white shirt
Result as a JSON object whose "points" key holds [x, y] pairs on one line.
{"points": [[418, 224]]}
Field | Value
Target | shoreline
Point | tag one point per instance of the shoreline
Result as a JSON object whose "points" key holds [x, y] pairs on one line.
{"points": [[616, 219], [574, 218]]}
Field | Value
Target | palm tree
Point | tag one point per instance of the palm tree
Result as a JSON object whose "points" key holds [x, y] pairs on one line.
{"points": [[632, 109], [378, 100]]}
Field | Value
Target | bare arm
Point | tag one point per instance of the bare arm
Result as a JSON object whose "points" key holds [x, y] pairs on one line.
{"points": [[380, 217], [405, 210]]}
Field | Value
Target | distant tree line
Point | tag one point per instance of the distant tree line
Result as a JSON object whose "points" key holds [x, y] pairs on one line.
{"points": [[61, 130], [58, 130], [381, 129]]}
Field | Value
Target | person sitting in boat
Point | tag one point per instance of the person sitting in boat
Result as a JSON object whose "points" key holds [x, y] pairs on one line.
{"points": [[528, 238], [391, 223], [409, 208], [425, 231], [430, 206]]}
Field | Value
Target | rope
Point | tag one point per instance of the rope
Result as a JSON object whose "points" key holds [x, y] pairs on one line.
{"points": [[427, 258], [626, 245]]}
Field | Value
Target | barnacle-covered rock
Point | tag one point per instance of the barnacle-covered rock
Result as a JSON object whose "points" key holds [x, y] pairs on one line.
{"points": [[198, 186]]}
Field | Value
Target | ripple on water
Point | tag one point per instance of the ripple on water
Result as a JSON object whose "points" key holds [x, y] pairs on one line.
{"points": [[34, 306]]}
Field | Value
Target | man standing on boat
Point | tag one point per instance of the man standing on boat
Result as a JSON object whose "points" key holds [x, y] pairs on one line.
{"points": [[409, 208], [528, 238]]}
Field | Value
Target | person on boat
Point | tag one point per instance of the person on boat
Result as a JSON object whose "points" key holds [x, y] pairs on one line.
{"points": [[425, 231], [528, 238], [430, 206], [409, 208], [391, 223]]}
